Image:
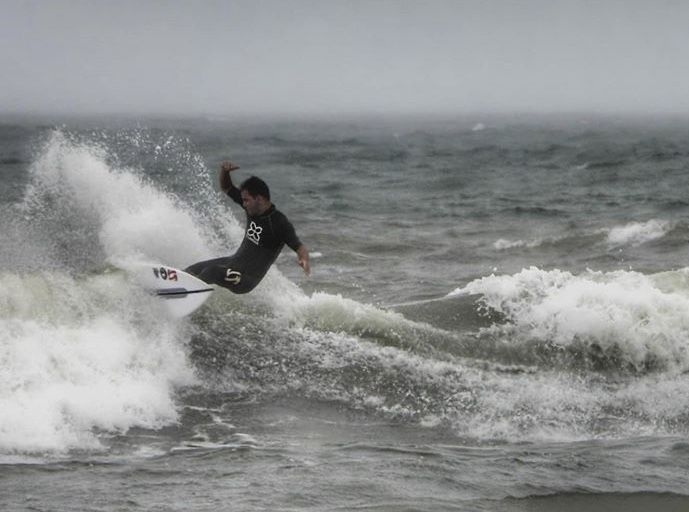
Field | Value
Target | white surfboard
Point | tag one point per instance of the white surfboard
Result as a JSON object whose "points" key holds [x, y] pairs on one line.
{"points": [[180, 292]]}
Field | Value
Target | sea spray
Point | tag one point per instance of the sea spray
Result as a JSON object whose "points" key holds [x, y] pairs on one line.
{"points": [[73, 185]]}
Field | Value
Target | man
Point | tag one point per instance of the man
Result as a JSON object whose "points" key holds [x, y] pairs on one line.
{"points": [[267, 232]]}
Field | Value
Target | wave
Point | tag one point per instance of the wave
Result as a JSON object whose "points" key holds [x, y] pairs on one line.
{"points": [[536, 211], [638, 233], [614, 321], [503, 244], [603, 164], [632, 234], [561, 357], [406, 382]]}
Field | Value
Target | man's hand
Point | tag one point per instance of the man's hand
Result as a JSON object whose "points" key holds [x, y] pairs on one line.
{"points": [[228, 166], [303, 259]]}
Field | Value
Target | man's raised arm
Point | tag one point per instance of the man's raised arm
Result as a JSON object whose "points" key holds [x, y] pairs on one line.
{"points": [[224, 176]]}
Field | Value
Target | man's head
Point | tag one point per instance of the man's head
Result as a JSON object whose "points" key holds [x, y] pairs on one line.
{"points": [[255, 196], [256, 187]]}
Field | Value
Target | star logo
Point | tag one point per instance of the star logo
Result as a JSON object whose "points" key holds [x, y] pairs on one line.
{"points": [[253, 233]]}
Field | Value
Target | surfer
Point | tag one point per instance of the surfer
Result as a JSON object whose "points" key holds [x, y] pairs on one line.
{"points": [[267, 231]]}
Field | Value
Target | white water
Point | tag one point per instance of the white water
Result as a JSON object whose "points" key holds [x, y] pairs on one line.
{"points": [[644, 317], [638, 233], [92, 351], [77, 356], [83, 352]]}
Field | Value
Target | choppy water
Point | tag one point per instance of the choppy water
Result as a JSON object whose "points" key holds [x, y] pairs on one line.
{"points": [[498, 317]]}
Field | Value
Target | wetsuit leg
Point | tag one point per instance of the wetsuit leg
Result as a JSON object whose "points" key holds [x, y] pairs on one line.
{"points": [[225, 272]]}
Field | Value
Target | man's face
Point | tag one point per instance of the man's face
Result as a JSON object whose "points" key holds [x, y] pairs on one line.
{"points": [[253, 205]]}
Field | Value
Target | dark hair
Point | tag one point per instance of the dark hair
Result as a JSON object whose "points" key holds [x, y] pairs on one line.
{"points": [[256, 187]]}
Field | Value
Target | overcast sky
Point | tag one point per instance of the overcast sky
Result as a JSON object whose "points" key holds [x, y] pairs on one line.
{"points": [[325, 56]]}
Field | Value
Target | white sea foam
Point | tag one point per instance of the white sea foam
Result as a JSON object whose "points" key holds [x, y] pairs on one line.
{"points": [[638, 233], [503, 244], [646, 317], [76, 357]]}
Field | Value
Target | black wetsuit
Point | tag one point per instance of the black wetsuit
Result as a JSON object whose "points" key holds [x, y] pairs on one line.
{"points": [[264, 238]]}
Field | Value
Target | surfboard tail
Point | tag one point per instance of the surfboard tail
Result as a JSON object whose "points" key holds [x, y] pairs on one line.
{"points": [[187, 292]]}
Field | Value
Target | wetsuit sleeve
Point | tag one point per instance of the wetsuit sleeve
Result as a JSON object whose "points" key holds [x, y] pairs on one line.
{"points": [[235, 194], [288, 234]]}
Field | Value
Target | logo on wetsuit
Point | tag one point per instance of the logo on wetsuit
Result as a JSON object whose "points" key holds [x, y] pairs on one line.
{"points": [[232, 276], [253, 232]]}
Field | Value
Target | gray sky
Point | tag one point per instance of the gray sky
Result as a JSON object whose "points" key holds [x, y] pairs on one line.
{"points": [[324, 56]]}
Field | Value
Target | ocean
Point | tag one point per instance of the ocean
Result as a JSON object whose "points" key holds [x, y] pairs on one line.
{"points": [[497, 317]]}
